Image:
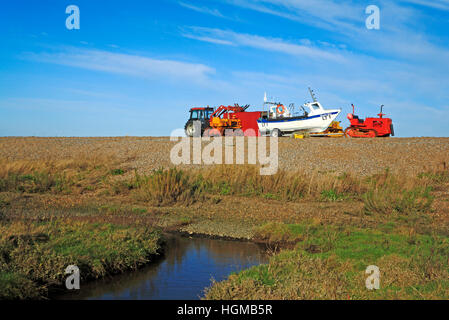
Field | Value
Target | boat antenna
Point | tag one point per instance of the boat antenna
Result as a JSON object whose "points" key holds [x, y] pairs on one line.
{"points": [[313, 95], [265, 97]]}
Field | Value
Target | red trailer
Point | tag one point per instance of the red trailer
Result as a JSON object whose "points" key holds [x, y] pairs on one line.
{"points": [[249, 123]]}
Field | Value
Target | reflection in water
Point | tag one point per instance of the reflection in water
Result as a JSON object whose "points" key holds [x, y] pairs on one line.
{"points": [[184, 271]]}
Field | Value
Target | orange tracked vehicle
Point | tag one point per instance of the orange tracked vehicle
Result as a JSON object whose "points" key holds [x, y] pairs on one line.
{"points": [[370, 127]]}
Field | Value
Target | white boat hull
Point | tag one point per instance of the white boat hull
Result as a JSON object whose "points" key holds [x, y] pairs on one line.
{"points": [[313, 123]]}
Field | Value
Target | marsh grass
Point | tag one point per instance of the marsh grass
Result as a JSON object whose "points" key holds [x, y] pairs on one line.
{"points": [[277, 234], [392, 194], [174, 186], [16, 286], [401, 202], [54, 176], [384, 193], [327, 261], [33, 256], [166, 187], [335, 269], [37, 182], [289, 186]]}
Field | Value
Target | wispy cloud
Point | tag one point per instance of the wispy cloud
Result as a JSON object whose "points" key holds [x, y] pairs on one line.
{"points": [[226, 37], [205, 10], [346, 17], [326, 14], [401, 37], [436, 4], [208, 39], [125, 64]]}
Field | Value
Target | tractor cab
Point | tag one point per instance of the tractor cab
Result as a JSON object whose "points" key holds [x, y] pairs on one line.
{"points": [[201, 113], [198, 114]]}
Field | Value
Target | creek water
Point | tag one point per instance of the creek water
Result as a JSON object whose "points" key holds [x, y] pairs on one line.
{"points": [[183, 272]]}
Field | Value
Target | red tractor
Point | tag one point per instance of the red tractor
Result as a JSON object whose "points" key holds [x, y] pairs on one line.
{"points": [[370, 127]]}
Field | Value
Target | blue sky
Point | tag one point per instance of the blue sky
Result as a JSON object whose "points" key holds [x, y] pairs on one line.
{"points": [[136, 67]]}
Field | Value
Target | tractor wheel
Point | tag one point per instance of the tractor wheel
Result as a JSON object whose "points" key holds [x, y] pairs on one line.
{"points": [[276, 133], [190, 129], [239, 133]]}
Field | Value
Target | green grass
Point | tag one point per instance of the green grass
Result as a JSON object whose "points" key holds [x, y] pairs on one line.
{"points": [[117, 172], [332, 195], [260, 274], [139, 210]]}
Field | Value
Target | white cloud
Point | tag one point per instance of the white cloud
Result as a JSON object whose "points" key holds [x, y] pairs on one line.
{"points": [[227, 37], [126, 64]]}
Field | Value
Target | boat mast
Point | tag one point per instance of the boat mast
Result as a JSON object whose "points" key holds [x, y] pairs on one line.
{"points": [[313, 95]]}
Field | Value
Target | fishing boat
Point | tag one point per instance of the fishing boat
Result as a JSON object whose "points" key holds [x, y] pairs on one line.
{"points": [[279, 120]]}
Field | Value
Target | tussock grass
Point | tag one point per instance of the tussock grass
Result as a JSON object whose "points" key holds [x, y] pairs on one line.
{"points": [[165, 187]]}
